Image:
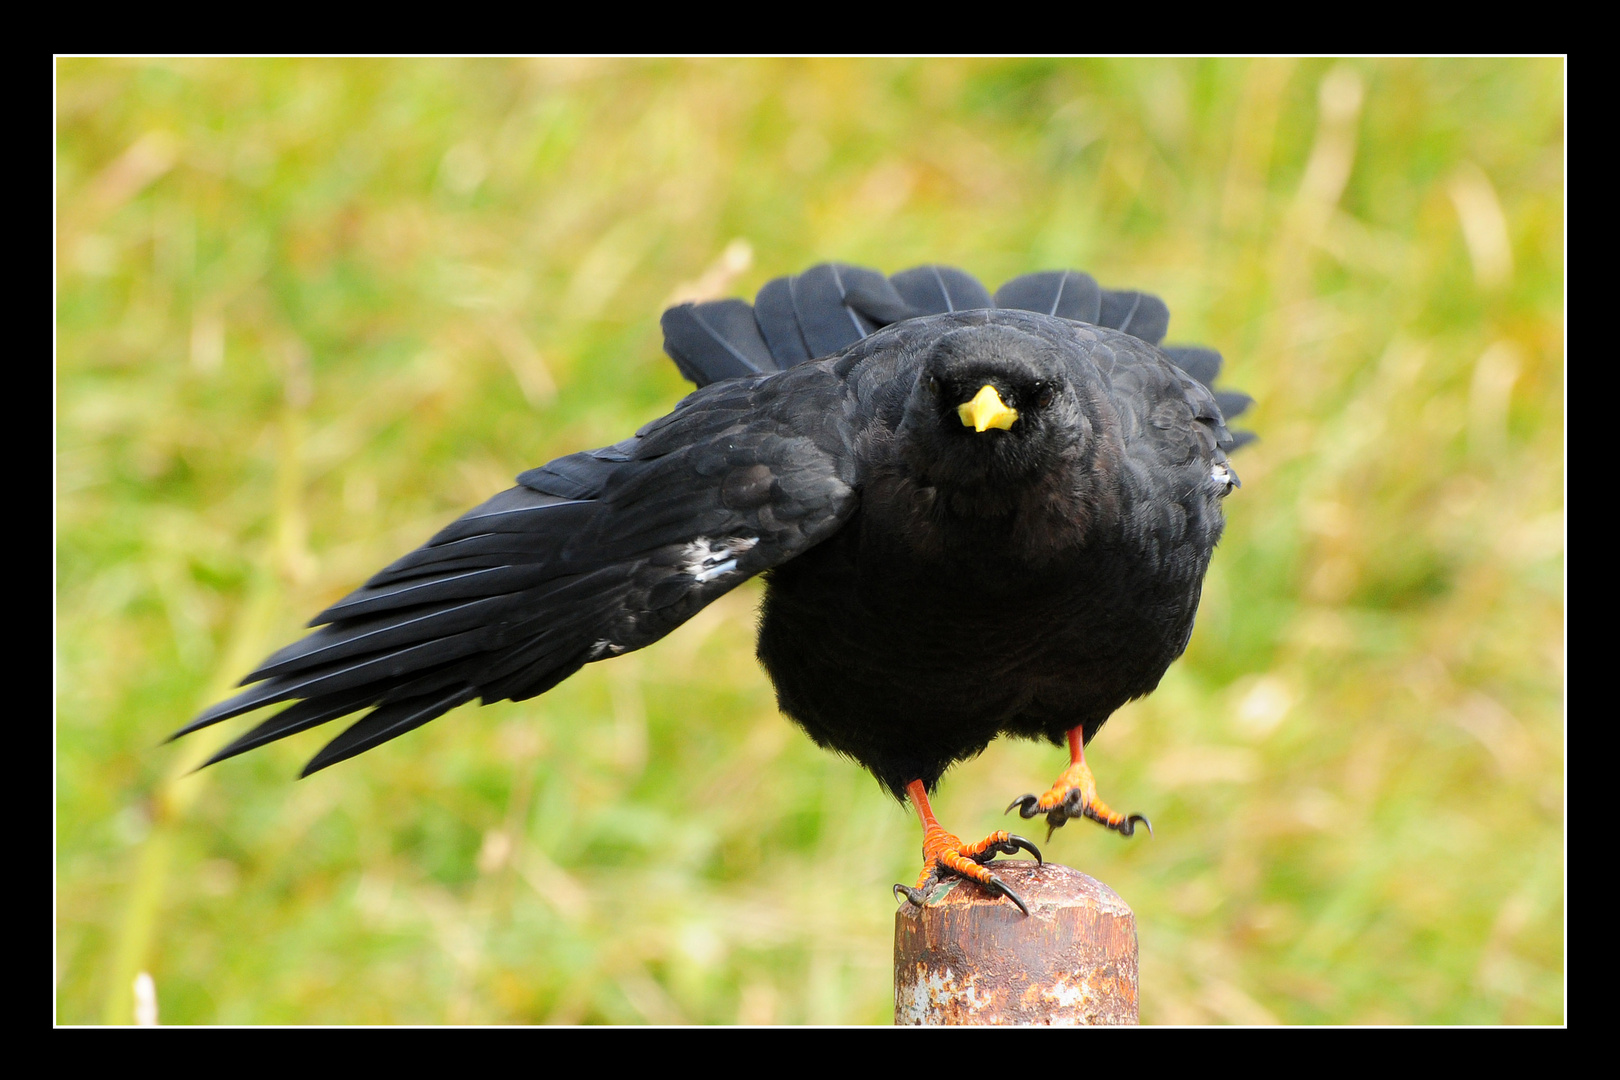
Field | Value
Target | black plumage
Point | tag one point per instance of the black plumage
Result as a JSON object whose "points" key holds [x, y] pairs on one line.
{"points": [[933, 580]]}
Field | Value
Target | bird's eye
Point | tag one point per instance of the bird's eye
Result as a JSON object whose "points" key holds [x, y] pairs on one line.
{"points": [[933, 385], [1043, 395]]}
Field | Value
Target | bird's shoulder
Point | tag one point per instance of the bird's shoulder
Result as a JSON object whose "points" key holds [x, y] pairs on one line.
{"points": [[1163, 411]]}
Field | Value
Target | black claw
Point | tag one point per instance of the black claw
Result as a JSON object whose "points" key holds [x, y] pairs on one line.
{"points": [[1014, 842], [996, 885], [1127, 827], [1025, 804], [1010, 846], [919, 896]]}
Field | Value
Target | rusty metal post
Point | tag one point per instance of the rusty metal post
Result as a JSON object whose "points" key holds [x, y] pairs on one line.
{"points": [[972, 958]]}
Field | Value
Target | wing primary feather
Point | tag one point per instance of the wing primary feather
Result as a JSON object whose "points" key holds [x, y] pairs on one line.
{"points": [[579, 476], [374, 635], [515, 519], [458, 585], [265, 693], [385, 723], [293, 719], [481, 552], [381, 668], [526, 682]]}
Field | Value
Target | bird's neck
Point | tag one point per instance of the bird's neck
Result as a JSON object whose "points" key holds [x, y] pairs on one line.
{"points": [[1010, 528]]}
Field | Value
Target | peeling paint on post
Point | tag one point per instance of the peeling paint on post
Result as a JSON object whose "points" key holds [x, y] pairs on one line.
{"points": [[972, 958]]}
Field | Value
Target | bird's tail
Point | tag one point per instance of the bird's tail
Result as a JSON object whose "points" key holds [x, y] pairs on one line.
{"points": [[833, 305]]}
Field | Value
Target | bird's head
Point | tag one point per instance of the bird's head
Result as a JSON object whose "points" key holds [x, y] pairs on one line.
{"points": [[993, 411]]}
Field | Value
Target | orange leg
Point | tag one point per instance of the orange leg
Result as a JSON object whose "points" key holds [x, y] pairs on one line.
{"points": [[945, 854], [1075, 795]]}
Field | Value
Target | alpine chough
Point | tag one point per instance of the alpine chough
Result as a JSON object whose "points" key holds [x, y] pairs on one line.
{"points": [[976, 515]]}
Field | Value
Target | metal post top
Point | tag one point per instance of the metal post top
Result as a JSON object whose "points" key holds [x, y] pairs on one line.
{"points": [[1046, 888], [971, 957]]}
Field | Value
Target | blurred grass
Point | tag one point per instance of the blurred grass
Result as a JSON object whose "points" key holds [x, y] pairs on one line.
{"points": [[310, 310]]}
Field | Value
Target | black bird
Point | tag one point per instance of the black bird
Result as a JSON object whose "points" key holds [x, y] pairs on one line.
{"points": [[976, 516]]}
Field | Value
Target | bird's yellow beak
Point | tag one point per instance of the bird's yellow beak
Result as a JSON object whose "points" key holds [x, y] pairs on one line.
{"points": [[986, 411]]}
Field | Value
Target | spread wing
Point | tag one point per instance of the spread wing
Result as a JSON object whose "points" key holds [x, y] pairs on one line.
{"points": [[591, 556]]}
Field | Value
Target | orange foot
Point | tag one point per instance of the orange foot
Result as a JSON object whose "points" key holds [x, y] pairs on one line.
{"points": [[945, 854], [1075, 796]]}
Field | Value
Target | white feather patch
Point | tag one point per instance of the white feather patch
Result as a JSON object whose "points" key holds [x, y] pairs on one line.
{"points": [[705, 559], [605, 648]]}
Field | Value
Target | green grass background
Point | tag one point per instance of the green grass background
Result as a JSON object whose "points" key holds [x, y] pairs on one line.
{"points": [[309, 311]]}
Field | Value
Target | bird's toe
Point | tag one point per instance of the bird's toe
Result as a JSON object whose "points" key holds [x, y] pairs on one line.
{"points": [[1026, 805]]}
